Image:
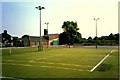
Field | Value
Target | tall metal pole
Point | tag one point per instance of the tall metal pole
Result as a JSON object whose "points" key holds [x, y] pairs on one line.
{"points": [[96, 33], [40, 41], [96, 30], [40, 48], [47, 34]]}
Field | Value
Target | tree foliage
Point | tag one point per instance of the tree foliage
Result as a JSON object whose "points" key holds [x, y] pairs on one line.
{"points": [[70, 34], [112, 39]]}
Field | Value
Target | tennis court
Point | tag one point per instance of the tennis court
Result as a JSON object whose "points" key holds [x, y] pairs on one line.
{"points": [[60, 63]]}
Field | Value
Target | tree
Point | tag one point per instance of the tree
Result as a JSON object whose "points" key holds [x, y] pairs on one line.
{"points": [[70, 34], [95, 38], [63, 38], [90, 38], [77, 38], [117, 37], [111, 37]]}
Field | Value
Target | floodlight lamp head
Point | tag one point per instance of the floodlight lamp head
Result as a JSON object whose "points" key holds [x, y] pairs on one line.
{"points": [[47, 23], [36, 7], [43, 7], [39, 7], [98, 18], [94, 18]]}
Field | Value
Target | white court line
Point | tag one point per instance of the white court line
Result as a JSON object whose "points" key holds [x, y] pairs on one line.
{"points": [[2, 77], [64, 64], [112, 51], [73, 69], [65, 68], [17, 64], [77, 65], [40, 58], [101, 61]]}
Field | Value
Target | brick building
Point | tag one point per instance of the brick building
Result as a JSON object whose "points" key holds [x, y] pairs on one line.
{"points": [[33, 41]]}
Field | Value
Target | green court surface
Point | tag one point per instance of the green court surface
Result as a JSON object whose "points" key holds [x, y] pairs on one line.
{"points": [[59, 63]]}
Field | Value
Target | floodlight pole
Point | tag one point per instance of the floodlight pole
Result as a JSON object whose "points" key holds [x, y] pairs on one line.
{"points": [[47, 34], [96, 30], [40, 39]]}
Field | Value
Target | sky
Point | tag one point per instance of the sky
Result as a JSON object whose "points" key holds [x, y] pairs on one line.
{"points": [[20, 17]]}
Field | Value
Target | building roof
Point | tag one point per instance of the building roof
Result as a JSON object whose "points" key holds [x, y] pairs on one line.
{"points": [[5, 37], [53, 36], [36, 38]]}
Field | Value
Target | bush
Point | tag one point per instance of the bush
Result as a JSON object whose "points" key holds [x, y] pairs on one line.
{"points": [[104, 67]]}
